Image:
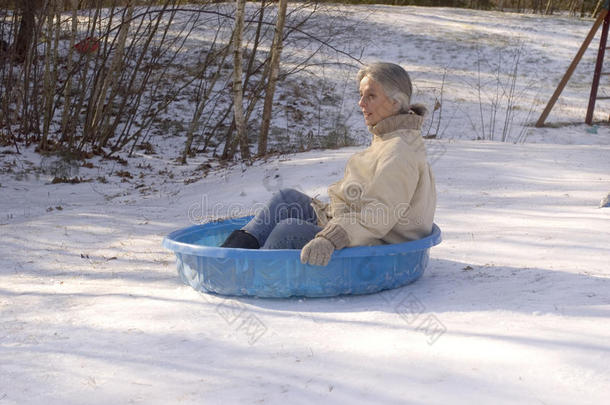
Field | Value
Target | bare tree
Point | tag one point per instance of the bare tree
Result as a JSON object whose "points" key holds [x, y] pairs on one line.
{"points": [[596, 9], [276, 51], [238, 93], [66, 128], [99, 75], [26, 29], [101, 112], [204, 90], [50, 70]]}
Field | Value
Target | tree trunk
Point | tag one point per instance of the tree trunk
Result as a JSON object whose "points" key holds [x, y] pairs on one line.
{"points": [[26, 29], [276, 51], [229, 147], [238, 94], [50, 71], [104, 106], [596, 9], [67, 127], [204, 94]]}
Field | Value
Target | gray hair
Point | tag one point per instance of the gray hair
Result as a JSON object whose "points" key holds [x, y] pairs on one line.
{"points": [[396, 84]]}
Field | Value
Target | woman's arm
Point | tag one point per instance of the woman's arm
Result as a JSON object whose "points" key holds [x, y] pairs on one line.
{"points": [[383, 200]]}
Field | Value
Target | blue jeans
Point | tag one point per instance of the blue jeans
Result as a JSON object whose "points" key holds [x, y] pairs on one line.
{"points": [[287, 221]]}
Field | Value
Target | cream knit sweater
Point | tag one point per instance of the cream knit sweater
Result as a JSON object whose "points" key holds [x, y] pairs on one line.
{"points": [[387, 194]]}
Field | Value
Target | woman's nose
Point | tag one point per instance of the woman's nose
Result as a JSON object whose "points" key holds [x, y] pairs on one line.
{"points": [[361, 102]]}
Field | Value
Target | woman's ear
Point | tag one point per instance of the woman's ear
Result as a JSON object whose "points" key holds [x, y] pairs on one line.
{"points": [[396, 105]]}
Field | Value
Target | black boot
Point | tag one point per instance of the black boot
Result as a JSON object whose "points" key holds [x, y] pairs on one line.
{"points": [[241, 239]]}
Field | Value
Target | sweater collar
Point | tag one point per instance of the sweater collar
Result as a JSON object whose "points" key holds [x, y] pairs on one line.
{"points": [[397, 122]]}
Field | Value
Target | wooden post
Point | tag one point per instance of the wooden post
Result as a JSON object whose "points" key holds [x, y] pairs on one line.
{"points": [[600, 19], [598, 71]]}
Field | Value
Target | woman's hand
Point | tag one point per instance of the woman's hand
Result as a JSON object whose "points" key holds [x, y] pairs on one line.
{"points": [[317, 252]]}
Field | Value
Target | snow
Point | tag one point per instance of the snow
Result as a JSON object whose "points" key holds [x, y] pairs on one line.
{"points": [[513, 308]]}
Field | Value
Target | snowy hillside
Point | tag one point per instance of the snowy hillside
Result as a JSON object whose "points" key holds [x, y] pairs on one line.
{"points": [[92, 311]]}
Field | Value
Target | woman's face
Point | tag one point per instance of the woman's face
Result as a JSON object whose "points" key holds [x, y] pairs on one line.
{"points": [[375, 104]]}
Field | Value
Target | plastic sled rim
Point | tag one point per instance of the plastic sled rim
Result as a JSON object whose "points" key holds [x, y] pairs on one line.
{"points": [[172, 242]]}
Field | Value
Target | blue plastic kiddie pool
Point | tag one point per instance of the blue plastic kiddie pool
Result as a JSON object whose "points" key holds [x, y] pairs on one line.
{"points": [[205, 266]]}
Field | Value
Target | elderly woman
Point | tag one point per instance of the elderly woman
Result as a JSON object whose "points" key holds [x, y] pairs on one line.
{"points": [[387, 194]]}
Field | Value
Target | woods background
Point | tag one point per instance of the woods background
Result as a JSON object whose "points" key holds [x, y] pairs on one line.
{"points": [[104, 76]]}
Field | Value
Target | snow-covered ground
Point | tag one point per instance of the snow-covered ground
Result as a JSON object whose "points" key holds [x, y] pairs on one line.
{"points": [[92, 311]]}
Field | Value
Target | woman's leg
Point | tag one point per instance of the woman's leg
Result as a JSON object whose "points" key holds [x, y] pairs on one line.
{"points": [[286, 203], [291, 233]]}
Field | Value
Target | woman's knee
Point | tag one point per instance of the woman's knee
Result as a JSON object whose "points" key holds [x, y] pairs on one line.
{"points": [[290, 195], [291, 203]]}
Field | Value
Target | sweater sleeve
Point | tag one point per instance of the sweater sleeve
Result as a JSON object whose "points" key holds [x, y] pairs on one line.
{"points": [[380, 203]]}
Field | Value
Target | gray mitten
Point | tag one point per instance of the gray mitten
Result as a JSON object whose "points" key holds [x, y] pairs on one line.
{"points": [[317, 252]]}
